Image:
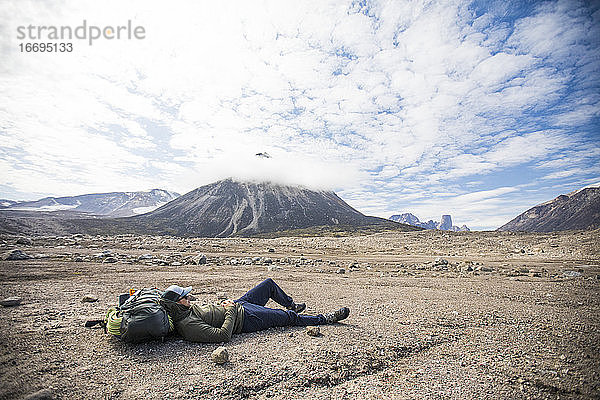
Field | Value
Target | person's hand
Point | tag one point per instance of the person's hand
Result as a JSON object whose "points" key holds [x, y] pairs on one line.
{"points": [[228, 303]]}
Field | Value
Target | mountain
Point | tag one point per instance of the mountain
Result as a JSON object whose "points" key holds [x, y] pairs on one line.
{"points": [[228, 208], [7, 203], [444, 225], [577, 210], [115, 204]]}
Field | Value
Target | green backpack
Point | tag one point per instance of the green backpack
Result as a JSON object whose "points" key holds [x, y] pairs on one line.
{"points": [[140, 318]]}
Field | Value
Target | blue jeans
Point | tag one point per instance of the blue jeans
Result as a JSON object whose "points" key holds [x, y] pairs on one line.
{"points": [[258, 317]]}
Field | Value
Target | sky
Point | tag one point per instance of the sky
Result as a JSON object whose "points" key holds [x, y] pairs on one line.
{"points": [[476, 109]]}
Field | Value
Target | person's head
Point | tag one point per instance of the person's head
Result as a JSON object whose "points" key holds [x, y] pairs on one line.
{"points": [[178, 294]]}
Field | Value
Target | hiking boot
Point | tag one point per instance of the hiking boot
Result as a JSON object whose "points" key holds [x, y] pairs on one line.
{"points": [[336, 316], [297, 307]]}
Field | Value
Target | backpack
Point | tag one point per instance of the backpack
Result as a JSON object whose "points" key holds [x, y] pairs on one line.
{"points": [[140, 318]]}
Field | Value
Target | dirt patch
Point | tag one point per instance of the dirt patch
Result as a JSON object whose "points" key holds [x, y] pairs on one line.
{"points": [[438, 315]]}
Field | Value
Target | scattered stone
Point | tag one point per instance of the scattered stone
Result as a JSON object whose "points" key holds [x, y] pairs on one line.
{"points": [[340, 271], [440, 261], [109, 260], [145, 257], [571, 274], [220, 355], [88, 298], [485, 269], [222, 296], [271, 250], [267, 261], [314, 331], [16, 255], [272, 268], [24, 241], [199, 259], [43, 394], [11, 301]]}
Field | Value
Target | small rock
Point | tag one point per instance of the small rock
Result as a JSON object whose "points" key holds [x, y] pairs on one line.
{"points": [[109, 260], [440, 261], [11, 301], [199, 259], [270, 250], [571, 274], [88, 298], [44, 394], [145, 257], [24, 241], [313, 331], [222, 296], [340, 271], [16, 255], [220, 355], [105, 253], [272, 268]]}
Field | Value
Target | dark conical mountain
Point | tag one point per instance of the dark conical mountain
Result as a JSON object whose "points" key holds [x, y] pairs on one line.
{"points": [[576, 210], [228, 207]]}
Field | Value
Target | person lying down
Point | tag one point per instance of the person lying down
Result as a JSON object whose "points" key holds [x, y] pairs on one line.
{"points": [[217, 323]]}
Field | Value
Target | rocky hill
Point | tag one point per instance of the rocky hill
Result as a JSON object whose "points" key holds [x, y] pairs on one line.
{"points": [[115, 204], [444, 225], [228, 208], [577, 210]]}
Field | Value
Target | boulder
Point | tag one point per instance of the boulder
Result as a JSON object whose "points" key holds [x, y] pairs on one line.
{"points": [[43, 394], [24, 241], [220, 355], [11, 301], [88, 298], [16, 255], [199, 259]]}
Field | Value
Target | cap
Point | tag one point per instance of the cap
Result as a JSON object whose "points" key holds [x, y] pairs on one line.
{"points": [[175, 293]]}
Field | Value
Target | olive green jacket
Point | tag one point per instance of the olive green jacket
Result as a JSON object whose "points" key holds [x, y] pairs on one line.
{"points": [[206, 323]]}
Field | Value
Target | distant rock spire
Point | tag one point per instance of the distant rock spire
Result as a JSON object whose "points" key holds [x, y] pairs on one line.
{"points": [[444, 225]]}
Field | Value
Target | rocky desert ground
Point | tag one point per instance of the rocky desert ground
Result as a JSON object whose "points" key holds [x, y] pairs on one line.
{"points": [[485, 315]]}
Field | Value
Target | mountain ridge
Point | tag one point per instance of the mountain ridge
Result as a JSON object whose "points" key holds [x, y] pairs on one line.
{"points": [[579, 209], [113, 204]]}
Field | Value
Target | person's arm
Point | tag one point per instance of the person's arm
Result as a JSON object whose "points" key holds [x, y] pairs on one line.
{"points": [[196, 330]]}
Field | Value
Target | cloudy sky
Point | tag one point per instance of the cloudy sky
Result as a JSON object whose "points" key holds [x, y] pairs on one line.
{"points": [[475, 109]]}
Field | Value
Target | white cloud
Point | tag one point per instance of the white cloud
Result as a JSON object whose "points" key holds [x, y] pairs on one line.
{"points": [[421, 93]]}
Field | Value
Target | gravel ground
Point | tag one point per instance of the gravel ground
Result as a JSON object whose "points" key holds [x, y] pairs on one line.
{"points": [[433, 315]]}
